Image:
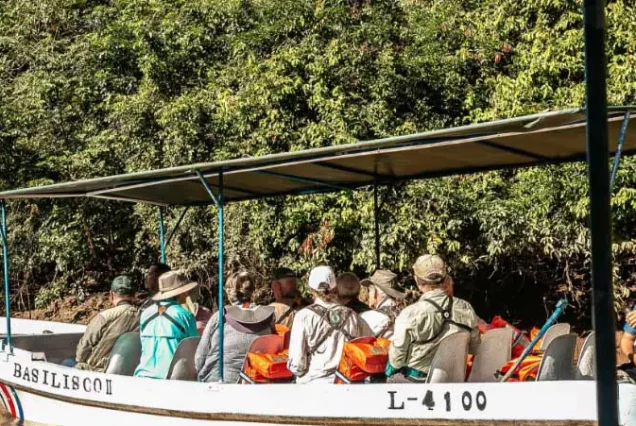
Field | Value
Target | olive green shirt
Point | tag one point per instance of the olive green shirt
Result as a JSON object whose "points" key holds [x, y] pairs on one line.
{"points": [[101, 333], [420, 322]]}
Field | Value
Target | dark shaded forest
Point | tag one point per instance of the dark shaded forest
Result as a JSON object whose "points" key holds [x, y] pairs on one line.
{"points": [[91, 88]]}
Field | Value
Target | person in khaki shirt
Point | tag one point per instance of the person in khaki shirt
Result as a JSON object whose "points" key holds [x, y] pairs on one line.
{"points": [[93, 349], [287, 300], [420, 327]]}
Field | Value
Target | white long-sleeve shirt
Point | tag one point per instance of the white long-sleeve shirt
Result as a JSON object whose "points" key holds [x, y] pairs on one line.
{"points": [[318, 364], [377, 323]]}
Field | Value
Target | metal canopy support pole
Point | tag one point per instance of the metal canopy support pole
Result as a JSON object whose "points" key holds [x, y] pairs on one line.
{"points": [[600, 225], [5, 268], [176, 226], [619, 148], [220, 296], [162, 236], [376, 225], [218, 200]]}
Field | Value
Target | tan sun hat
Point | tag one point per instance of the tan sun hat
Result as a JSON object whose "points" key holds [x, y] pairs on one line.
{"points": [[172, 284], [430, 268], [385, 281]]}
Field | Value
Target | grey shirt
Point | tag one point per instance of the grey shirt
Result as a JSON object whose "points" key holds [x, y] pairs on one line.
{"points": [[235, 346]]}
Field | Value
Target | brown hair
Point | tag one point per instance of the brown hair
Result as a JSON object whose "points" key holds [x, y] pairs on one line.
{"points": [[326, 295], [153, 274], [240, 287]]}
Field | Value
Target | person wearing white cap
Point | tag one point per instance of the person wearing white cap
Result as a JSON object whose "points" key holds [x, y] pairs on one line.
{"points": [[320, 330]]}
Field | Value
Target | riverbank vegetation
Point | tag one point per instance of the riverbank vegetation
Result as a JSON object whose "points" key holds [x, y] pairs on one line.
{"points": [[91, 88]]}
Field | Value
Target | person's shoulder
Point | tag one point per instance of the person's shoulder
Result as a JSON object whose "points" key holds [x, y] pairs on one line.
{"points": [[463, 304]]}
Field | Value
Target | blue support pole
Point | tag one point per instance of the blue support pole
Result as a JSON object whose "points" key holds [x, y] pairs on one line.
{"points": [[220, 297], [560, 307], [619, 149], [218, 200], [162, 236], [5, 269]]}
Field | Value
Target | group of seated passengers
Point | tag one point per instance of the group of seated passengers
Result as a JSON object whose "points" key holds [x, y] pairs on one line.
{"points": [[318, 331]]}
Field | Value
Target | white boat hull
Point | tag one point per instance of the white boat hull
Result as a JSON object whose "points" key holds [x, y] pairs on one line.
{"points": [[20, 326], [48, 393]]}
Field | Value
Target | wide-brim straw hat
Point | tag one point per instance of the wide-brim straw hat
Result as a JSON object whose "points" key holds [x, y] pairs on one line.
{"points": [[172, 284], [385, 281]]}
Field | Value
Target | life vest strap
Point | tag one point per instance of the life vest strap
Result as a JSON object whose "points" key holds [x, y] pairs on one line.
{"points": [[161, 313], [324, 313], [447, 317]]}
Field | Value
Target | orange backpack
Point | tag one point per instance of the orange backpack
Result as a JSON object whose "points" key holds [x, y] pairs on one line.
{"points": [[362, 358]]}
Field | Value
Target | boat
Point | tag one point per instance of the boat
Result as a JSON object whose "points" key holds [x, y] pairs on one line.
{"points": [[35, 387]]}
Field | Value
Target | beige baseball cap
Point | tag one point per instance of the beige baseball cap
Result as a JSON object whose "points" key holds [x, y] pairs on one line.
{"points": [[430, 269]]}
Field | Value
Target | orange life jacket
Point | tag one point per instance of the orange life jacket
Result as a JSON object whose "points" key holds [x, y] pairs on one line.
{"points": [[283, 331], [527, 370], [264, 368], [362, 358]]}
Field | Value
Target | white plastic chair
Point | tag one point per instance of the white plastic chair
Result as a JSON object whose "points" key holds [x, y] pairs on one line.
{"points": [[182, 365], [449, 362], [125, 354], [493, 352], [552, 332], [558, 359], [586, 364]]}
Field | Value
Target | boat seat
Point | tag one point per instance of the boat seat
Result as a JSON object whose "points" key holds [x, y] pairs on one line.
{"points": [[182, 365], [125, 355], [493, 352], [56, 347], [586, 364], [558, 359], [449, 361], [552, 332]]}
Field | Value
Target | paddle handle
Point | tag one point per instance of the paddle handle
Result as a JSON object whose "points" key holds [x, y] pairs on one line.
{"points": [[560, 307]]}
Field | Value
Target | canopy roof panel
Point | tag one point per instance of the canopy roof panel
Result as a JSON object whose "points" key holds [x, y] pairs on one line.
{"points": [[546, 138]]}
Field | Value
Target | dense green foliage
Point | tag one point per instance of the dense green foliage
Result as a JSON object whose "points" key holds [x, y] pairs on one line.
{"points": [[90, 88]]}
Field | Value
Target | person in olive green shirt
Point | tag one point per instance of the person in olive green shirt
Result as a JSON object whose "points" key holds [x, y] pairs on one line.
{"points": [[101, 333], [420, 327]]}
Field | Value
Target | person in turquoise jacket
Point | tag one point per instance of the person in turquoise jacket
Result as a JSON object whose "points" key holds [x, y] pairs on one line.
{"points": [[164, 324]]}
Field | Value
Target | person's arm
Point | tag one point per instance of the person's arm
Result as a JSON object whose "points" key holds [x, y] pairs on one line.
{"points": [[627, 346], [631, 319], [297, 358], [90, 339], [400, 345]]}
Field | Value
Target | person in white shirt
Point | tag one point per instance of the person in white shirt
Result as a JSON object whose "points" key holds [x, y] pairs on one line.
{"points": [[319, 331], [385, 301]]}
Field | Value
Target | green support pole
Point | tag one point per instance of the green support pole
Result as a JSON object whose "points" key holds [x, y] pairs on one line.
{"points": [[603, 315], [162, 236], [5, 269], [220, 296]]}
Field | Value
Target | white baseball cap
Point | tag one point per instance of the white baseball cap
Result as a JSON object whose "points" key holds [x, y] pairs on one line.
{"points": [[321, 276]]}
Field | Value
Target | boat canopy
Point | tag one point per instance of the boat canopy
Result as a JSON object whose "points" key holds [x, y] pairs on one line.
{"points": [[546, 138]]}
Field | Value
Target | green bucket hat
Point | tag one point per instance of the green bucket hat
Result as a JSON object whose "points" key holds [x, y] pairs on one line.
{"points": [[122, 285]]}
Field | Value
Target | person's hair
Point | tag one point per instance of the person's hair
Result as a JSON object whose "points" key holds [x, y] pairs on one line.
{"points": [[240, 287], [421, 282], [348, 285], [154, 272], [326, 294]]}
